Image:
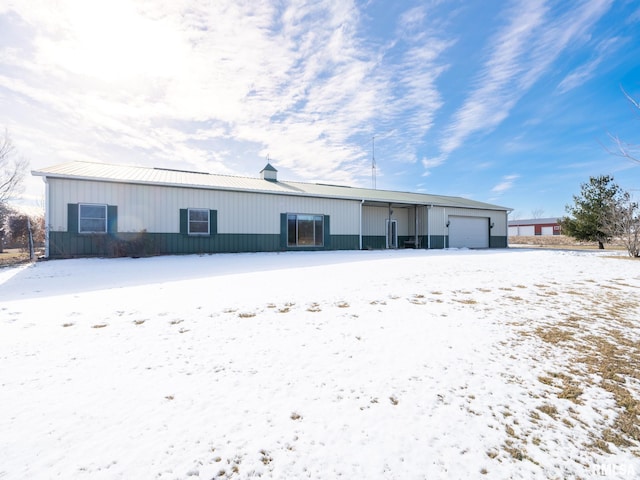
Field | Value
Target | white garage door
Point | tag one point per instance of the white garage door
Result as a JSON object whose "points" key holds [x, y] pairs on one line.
{"points": [[527, 231], [470, 232], [547, 231]]}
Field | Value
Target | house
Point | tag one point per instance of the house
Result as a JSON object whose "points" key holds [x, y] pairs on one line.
{"points": [[106, 210], [534, 226]]}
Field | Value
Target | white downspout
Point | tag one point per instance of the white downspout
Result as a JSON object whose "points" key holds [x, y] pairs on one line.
{"points": [[444, 222], [506, 220], [389, 233], [415, 231], [360, 234], [46, 217], [429, 207]]}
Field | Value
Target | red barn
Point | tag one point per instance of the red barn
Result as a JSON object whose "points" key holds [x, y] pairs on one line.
{"points": [[534, 226]]}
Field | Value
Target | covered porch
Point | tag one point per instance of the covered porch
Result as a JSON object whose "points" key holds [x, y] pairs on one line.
{"points": [[394, 225]]}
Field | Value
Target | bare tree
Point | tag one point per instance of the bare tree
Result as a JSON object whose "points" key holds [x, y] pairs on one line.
{"points": [[12, 171], [621, 219], [537, 213], [624, 149]]}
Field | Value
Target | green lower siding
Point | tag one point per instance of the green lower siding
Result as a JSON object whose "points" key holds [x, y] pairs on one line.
{"points": [[376, 242], [64, 244], [372, 242], [438, 241], [344, 242], [498, 242]]}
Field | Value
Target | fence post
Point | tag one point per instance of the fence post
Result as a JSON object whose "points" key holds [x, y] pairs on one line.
{"points": [[31, 252]]}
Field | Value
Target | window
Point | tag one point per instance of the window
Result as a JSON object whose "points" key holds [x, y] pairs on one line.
{"points": [[92, 218], [198, 221], [305, 230]]}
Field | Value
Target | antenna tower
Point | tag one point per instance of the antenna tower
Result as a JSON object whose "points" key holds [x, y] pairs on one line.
{"points": [[373, 162]]}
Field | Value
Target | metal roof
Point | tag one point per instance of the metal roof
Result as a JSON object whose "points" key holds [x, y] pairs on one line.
{"points": [[269, 168], [103, 172]]}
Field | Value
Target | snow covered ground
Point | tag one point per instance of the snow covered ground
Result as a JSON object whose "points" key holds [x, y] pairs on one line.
{"points": [[360, 365]]}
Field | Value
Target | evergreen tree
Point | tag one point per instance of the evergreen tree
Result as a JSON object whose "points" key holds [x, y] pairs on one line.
{"points": [[587, 216]]}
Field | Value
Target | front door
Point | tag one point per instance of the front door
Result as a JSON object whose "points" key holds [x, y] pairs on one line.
{"points": [[392, 233]]}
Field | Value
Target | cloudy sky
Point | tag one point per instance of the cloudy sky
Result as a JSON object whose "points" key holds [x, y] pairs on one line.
{"points": [[509, 102]]}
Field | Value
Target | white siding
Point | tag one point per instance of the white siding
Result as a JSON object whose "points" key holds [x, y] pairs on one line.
{"points": [[238, 212], [374, 220], [156, 208]]}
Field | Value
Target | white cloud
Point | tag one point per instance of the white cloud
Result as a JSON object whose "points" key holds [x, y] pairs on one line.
{"points": [[506, 184], [488, 104], [519, 55], [124, 73], [584, 72], [217, 84], [579, 76]]}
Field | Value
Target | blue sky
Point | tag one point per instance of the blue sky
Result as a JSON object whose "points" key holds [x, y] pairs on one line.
{"points": [[507, 102]]}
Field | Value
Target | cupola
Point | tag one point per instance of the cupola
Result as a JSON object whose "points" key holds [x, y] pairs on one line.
{"points": [[269, 173]]}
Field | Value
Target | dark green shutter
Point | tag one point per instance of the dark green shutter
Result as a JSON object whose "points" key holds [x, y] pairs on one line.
{"points": [[112, 218], [327, 232], [72, 218], [184, 221], [213, 222], [283, 231]]}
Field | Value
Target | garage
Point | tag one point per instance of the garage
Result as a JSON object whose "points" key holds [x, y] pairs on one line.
{"points": [[468, 232]]}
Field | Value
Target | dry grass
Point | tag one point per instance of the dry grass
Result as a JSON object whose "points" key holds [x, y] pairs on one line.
{"points": [[13, 256], [559, 241], [287, 307], [418, 299], [549, 409], [607, 358], [314, 307], [572, 393], [616, 363], [554, 334], [466, 301], [265, 458]]}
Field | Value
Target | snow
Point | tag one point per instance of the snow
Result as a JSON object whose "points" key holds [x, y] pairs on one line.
{"points": [[406, 364]]}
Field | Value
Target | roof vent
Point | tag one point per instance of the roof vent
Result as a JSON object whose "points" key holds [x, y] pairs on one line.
{"points": [[269, 173]]}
